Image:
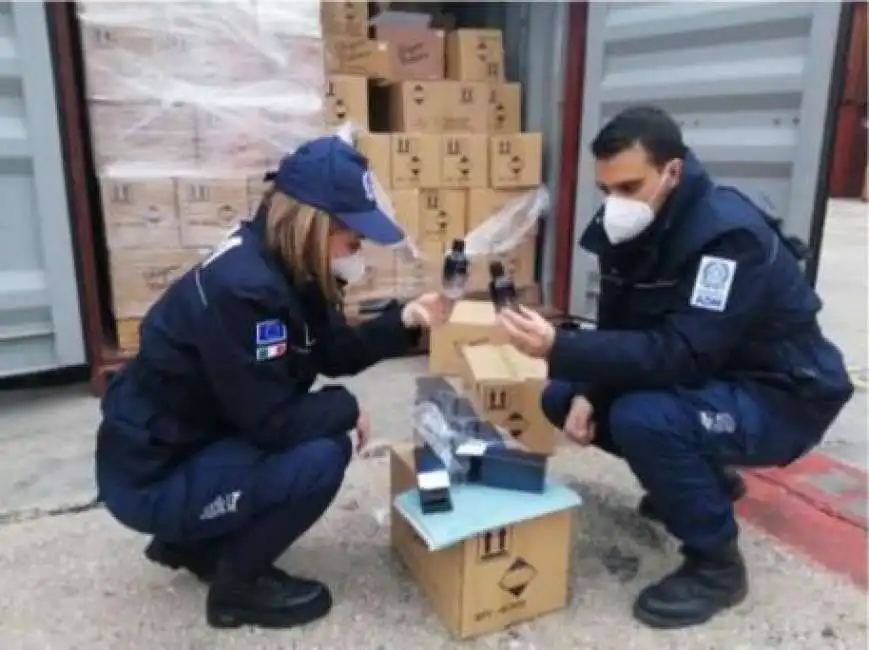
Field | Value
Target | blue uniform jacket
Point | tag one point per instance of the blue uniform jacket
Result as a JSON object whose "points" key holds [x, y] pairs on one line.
{"points": [[711, 290], [232, 349]]}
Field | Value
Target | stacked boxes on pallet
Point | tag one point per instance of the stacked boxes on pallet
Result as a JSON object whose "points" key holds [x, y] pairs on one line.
{"points": [[189, 103], [444, 139]]}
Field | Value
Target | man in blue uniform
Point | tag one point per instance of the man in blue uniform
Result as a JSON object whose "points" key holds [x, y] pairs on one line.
{"points": [[212, 440], [707, 353]]}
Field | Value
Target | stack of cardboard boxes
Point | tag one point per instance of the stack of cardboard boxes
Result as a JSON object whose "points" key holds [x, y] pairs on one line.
{"points": [[444, 139], [498, 577], [188, 105]]}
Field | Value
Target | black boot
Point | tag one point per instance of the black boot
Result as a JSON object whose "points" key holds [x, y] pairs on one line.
{"points": [[730, 480], [199, 559], [271, 600], [706, 583]]}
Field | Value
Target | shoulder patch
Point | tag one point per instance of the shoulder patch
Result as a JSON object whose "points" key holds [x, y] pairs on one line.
{"points": [[713, 282], [271, 339]]}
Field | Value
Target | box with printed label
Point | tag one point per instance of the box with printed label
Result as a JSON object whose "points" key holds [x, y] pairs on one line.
{"points": [[505, 108], [347, 99], [140, 212], [356, 56], [209, 207], [431, 215], [377, 148], [519, 262], [415, 161], [475, 55], [139, 278], [416, 106], [472, 322], [516, 160], [488, 581], [505, 386], [465, 160], [465, 107], [415, 53], [344, 18]]}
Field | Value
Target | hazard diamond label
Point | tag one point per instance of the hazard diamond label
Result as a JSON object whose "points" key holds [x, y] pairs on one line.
{"points": [[517, 577]]}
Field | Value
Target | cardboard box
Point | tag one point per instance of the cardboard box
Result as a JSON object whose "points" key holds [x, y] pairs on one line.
{"points": [[505, 386], [356, 56], [516, 160], [471, 323], [112, 59], [416, 160], [139, 278], [465, 161], [209, 207], [492, 580], [484, 203], [416, 106], [431, 216], [416, 276], [224, 139], [465, 107], [347, 99], [143, 132], [344, 18], [140, 213], [505, 108], [377, 148], [415, 53], [475, 55], [256, 188]]}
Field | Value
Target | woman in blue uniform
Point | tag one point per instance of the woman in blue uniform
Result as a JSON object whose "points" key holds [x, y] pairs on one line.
{"points": [[212, 440]]}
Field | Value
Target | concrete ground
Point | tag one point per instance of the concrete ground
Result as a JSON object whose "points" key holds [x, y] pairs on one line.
{"points": [[73, 578]]}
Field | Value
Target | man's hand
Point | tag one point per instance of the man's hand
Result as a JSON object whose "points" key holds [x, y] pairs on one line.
{"points": [[579, 425], [363, 431], [429, 310], [527, 331]]}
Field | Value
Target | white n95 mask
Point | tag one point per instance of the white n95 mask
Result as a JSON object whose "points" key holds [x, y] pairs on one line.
{"points": [[624, 218], [349, 268]]}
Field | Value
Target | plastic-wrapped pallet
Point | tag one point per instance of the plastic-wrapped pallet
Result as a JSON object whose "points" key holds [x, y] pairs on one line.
{"points": [[189, 103]]}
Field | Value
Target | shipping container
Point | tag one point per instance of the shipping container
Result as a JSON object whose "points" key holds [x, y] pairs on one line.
{"points": [[40, 323], [754, 91]]}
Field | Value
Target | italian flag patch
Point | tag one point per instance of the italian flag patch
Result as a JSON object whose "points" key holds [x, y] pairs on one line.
{"points": [[266, 352]]}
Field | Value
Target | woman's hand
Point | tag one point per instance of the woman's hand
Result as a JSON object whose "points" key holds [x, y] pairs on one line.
{"points": [[429, 310]]}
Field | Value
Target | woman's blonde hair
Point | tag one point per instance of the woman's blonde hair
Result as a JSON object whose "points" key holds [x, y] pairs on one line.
{"points": [[299, 235]]}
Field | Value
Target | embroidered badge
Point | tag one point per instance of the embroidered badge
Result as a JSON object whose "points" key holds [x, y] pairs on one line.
{"points": [[713, 282], [271, 339]]}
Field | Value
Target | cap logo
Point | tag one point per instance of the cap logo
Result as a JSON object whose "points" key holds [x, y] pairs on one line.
{"points": [[368, 186]]}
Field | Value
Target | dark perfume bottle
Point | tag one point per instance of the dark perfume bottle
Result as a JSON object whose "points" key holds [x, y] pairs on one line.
{"points": [[501, 287], [457, 267]]}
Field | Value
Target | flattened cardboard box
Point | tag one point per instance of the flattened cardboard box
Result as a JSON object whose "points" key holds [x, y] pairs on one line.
{"points": [[492, 580], [504, 386], [472, 322]]}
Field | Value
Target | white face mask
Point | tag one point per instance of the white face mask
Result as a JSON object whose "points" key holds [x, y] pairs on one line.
{"points": [[350, 268], [624, 218]]}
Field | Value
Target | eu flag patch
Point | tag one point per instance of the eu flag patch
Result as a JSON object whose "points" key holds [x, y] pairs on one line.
{"points": [[269, 332]]}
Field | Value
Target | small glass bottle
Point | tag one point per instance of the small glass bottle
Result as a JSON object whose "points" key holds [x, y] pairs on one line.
{"points": [[457, 267], [501, 288]]}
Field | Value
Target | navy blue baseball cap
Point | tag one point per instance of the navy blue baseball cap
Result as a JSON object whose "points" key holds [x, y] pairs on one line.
{"points": [[330, 175]]}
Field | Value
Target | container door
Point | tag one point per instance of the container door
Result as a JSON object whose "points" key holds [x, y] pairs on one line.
{"points": [[748, 84], [40, 325]]}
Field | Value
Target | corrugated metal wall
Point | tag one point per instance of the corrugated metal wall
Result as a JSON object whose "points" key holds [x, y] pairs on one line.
{"points": [[749, 85], [535, 36], [40, 327]]}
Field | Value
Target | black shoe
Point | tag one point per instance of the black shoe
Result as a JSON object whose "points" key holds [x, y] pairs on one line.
{"points": [[704, 585], [200, 560], [272, 600], [730, 480]]}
